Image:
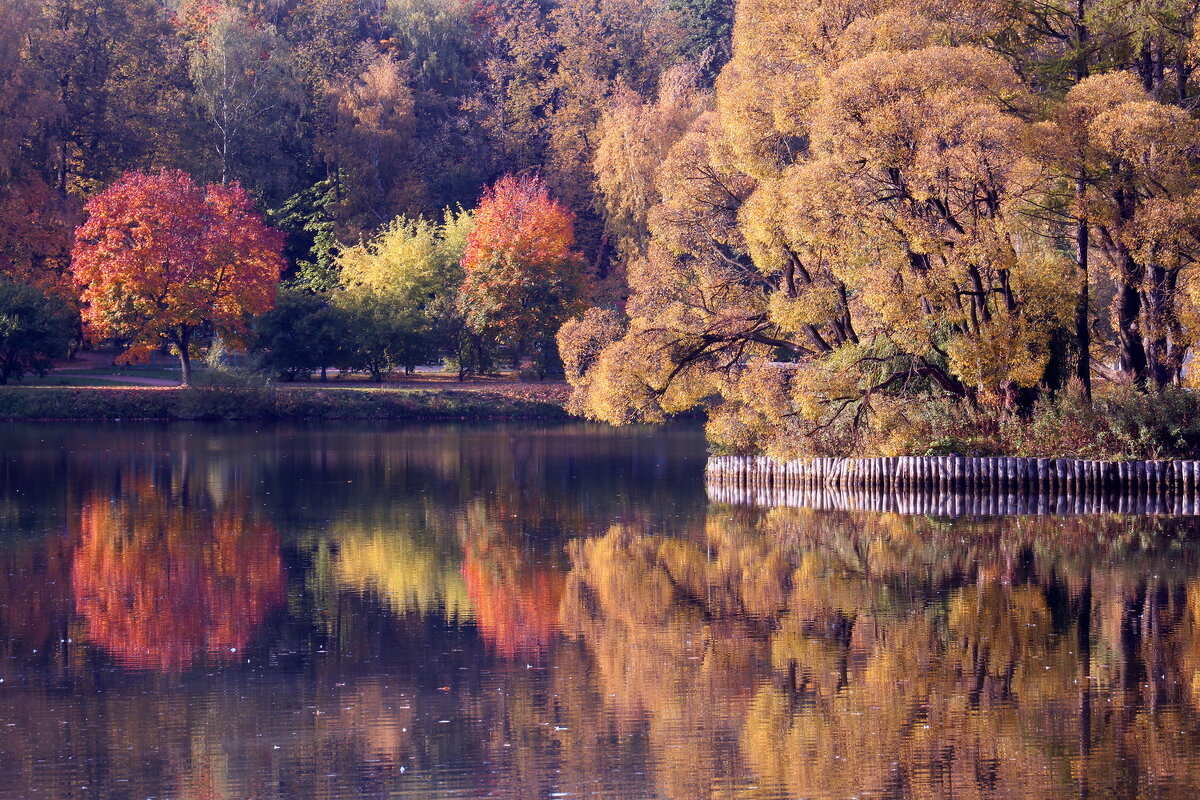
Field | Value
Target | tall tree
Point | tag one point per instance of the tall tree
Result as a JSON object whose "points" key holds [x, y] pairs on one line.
{"points": [[371, 146], [242, 74], [860, 229], [119, 77], [523, 278], [396, 288], [1136, 159], [634, 137]]}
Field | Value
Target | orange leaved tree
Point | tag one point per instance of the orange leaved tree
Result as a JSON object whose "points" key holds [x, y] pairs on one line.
{"points": [[159, 257], [522, 277]]}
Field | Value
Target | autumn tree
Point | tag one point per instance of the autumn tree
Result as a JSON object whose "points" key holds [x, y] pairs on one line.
{"points": [[550, 72], [581, 341], [159, 260], [634, 137], [859, 220], [441, 44], [601, 45], [371, 145], [522, 276], [396, 289], [1135, 162], [245, 89], [34, 221], [327, 38], [120, 86]]}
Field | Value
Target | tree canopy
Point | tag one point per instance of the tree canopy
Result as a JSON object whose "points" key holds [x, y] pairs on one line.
{"points": [[888, 204], [159, 258], [800, 217]]}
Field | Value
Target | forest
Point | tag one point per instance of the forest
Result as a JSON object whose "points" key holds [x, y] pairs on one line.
{"points": [[871, 226]]}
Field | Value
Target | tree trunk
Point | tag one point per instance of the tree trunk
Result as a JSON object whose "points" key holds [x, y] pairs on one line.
{"points": [[1128, 303], [182, 340], [1083, 338], [1157, 327]]}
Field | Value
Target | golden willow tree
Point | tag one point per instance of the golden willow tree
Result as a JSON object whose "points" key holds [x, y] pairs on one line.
{"points": [[880, 209]]}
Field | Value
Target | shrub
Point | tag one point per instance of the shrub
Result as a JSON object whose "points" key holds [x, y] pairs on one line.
{"points": [[34, 328]]}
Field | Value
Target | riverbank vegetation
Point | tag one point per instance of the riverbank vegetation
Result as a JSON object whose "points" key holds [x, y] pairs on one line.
{"points": [[268, 402], [907, 228], [841, 226]]}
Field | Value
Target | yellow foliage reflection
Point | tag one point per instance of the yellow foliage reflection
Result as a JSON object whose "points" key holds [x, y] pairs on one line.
{"points": [[405, 574], [888, 656]]}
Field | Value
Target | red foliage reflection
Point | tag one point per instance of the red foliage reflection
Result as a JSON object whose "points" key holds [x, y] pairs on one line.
{"points": [[160, 579], [515, 604]]}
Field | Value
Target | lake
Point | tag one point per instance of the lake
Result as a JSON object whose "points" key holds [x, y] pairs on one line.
{"points": [[559, 611]]}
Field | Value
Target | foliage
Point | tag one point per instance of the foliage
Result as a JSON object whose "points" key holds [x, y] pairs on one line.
{"points": [[396, 292], [242, 74], [804, 216], [1118, 422], [306, 218], [159, 258], [1138, 161], [522, 277], [34, 328], [384, 333], [371, 144], [876, 216], [634, 139], [709, 24], [302, 334], [581, 341]]}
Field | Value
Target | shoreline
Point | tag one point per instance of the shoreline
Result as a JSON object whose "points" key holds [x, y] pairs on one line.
{"points": [[949, 473], [957, 486], [106, 404]]}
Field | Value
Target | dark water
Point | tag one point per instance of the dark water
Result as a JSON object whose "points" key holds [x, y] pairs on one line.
{"points": [[537, 612]]}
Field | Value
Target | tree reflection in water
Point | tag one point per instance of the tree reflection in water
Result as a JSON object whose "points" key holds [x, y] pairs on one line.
{"points": [[451, 615], [888, 656], [514, 589], [166, 572]]}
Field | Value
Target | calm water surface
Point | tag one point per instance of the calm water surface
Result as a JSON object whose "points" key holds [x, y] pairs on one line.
{"points": [[558, 611]]}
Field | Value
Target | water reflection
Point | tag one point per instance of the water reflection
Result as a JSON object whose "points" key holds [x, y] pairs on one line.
{"points": [[167, 570], [557, 612]]}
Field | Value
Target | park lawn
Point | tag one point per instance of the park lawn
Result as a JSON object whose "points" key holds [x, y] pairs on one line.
{"points": [[64, 379], [159, 373]]}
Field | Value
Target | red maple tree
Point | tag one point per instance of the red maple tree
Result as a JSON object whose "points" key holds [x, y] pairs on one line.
{"points": [[522, 277], [160, 257]]}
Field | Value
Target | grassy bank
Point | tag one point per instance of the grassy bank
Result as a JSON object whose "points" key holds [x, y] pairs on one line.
{"points": [[266, 403]]}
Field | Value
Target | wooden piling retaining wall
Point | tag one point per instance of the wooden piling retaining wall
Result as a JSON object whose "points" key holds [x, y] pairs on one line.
{"points": [[960, 485]]}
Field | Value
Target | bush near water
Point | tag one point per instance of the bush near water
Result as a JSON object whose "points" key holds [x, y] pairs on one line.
{"points": [[1120, 423]]}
